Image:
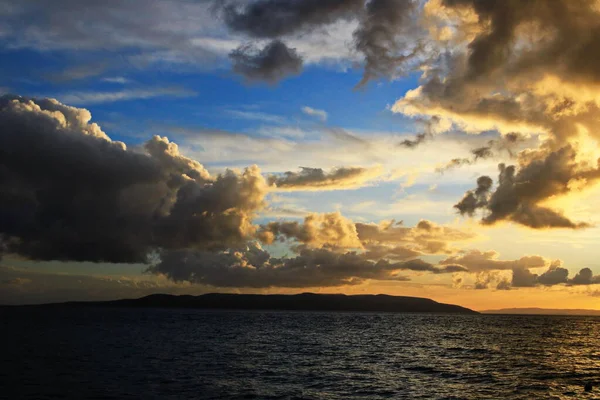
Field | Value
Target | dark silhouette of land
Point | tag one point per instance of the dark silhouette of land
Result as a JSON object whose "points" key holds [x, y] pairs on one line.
{"points": [[542, 311], [298, 302]]}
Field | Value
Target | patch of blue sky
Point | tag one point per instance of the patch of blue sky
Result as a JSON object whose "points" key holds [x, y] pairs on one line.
{"points": [[211, 100]]}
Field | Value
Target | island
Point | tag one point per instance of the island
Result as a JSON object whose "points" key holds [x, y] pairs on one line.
{"points": [[543, 311], [282, 302]]}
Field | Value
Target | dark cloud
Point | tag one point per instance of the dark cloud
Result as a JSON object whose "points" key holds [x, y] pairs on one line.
{"points": [[428, 127], [493, 148], [275, 18], [519, 191], [411, 144], [22, 286], [522, 277], [68, 192], [270, 64], [475, 199], [585, 277], [491, 49], [478, 261], [388, 38], [254, 268], [522, 67], [554, 275], [317, 179], [386, 34]]}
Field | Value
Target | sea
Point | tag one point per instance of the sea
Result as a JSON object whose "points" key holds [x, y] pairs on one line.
{"points": [[120, 353]]}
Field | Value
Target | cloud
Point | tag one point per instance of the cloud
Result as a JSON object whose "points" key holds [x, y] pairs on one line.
{"points": [[491, 149], [315, 179], [343, 135], [257, 116], [79, 72], [505, 66], [71, 193], [585, 277], [82, 98], [484, 279], [554, 275], [121, 80], [522, 277], [273, 63], [317, 230], [16, 281], [376, 252], [268, 19], [478, 261], [426, 237], [253, 267], [385, 35], [22, 286], [313, 112], [519, 192], [388, 38], [388, 239]]}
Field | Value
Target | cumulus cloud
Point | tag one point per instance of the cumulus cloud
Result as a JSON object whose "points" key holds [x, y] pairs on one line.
{"points": [[519, 192], [554, 275], [585, 277], [522, 277], [317, 230], [254, 268], [270, 64], [316, 179], [506, 66], [68, 192], [426, 237], [313, 112]]}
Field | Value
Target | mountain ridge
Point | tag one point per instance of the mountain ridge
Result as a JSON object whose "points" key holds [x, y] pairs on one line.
{"points": [[282, 302]]}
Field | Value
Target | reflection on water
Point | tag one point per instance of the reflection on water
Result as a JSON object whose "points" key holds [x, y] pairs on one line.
{"points": [[130, 353]]}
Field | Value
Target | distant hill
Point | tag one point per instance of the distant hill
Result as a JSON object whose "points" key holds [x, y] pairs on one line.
{"points": [[542, 311], [305, 302]]}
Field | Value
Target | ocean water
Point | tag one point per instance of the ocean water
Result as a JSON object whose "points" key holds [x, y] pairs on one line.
{"points": [[102, 353]]}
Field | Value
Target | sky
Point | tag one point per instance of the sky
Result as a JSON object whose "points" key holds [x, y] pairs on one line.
{"points": [[436, 148]]}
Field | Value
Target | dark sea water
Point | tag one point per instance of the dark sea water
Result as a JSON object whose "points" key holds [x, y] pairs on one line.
{"points": [[106, 353]]}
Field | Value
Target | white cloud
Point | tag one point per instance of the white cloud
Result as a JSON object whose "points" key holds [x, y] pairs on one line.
{"points": [[314, 112], [257, 116], [83, 98], [116, 79]]}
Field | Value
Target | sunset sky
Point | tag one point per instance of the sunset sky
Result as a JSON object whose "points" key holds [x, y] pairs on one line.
{"points": [[437, 148]]}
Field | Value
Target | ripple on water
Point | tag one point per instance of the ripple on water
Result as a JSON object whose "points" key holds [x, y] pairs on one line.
{"points": [[189, 354]]}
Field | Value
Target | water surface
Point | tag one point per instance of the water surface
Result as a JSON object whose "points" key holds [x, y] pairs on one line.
{"points": [[103, 353]]}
